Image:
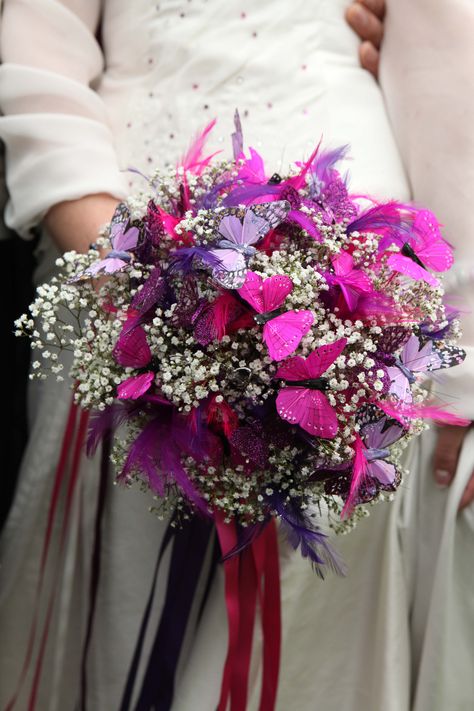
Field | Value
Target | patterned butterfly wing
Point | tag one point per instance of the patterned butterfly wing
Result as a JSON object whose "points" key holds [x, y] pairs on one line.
{"points": [[293, 369], [324, 356], [381, 434], [132, 349], [121, 215], [135, 387], [254, 228], [385, 473], [232, 270], [428, 243], [418, 358], [273, 212], [283, 334], [252, 291], [447, 357], [110, 265], [275, 289], [391, 340], [230, 228], [399, 384], [405, 265], [310, 409], [124, 240]]}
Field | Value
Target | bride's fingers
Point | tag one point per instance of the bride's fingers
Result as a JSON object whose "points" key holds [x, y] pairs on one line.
{"points": [[369, 57], [375, 6], [365, 23], [448, 447], [468, 496]]}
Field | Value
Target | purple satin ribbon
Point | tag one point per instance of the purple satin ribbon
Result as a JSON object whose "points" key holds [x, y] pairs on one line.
{"points": [[190, 545]]}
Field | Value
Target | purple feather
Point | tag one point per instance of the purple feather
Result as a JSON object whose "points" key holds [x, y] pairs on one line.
{"points": [[245, 536], [323, 165], [156, 454], [105, 421], [237, 137], [248, 194], [312, 542], [151, 292], [387, 218], [208, 201]]}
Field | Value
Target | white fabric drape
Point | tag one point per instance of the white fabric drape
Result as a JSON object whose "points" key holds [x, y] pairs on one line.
{"points": [[75, 117]]}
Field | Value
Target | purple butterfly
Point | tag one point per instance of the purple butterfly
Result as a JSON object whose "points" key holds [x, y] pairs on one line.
{"points": [[415, 358], [123, 238], [377, 437], [238, 238]]}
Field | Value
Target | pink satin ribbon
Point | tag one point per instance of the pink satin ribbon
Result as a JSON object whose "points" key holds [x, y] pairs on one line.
{"points": [[253, 574], [73, 442]]}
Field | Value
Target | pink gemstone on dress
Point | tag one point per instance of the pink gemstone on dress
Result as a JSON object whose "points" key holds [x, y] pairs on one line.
{"points": [[195, 86], [304, 67], [254, 34], [243, 15]]}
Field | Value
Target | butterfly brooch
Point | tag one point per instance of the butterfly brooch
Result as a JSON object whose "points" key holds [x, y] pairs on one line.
{"points": [[303, 402], [424, 249], [123, 238], [239, 237], [282, 330]]}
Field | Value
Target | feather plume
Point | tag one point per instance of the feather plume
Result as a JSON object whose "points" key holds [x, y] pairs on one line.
{"points": [[302, 534], [359, 472]]}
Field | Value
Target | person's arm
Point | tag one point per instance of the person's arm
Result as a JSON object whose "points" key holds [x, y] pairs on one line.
{"points": [[426, 75], [62, 165]]}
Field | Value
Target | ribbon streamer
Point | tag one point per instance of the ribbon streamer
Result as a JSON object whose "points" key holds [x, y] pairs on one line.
{"points": [[253, 574]]}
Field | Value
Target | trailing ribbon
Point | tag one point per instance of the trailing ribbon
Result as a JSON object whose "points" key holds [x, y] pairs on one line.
{"points": [[73, 441], [190, 546], [95, 563], [253, 574]]}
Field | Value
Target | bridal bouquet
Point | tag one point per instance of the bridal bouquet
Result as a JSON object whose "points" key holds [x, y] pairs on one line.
{"points": [[261, 341]]}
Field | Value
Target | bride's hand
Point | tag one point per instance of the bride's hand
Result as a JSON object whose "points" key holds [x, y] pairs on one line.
{"points": [[448, 449], [75, 224], [366, 19]]}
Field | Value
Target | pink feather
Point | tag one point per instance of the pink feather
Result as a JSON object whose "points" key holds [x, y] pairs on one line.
{"points": [[359, 472], [193, 160], [410, 411]]}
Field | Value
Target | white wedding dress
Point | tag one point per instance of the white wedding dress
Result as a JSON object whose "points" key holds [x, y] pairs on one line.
{"points": [[77, 114]]}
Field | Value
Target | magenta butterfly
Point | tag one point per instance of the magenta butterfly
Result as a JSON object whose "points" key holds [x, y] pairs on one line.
{"points": [[282, 330], [353, 282], [303, 402], [425, 249], [239, 237], [132, 351]]}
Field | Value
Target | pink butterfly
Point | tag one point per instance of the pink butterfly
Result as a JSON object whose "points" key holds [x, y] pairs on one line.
{"points": [[425, 249], [353, 282], [132, 349], [135, 386], [282, 330], [305, 403]]}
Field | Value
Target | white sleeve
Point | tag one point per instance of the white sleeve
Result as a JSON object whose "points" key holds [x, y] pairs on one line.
{"points": [[428, 82], [58, 142]]}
